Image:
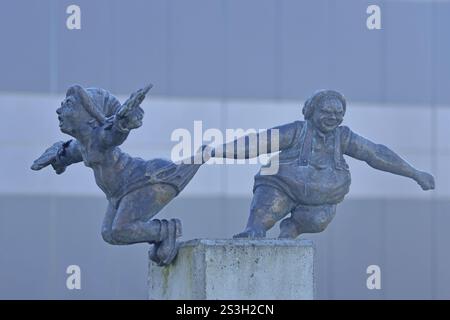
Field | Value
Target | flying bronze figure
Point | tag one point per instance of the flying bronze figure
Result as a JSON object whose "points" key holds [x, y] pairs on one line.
{"points": [[136, 189]]}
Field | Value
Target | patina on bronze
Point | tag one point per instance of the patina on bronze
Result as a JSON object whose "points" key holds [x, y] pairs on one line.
{"points": [[136, 189], [313, 176]]}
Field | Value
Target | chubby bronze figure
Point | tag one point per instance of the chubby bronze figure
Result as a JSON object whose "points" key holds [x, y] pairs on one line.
{"points": [[313, 176]]}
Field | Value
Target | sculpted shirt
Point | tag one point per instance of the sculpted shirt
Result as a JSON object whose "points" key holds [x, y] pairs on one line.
{"points": [[312, 169], [117, 173]]}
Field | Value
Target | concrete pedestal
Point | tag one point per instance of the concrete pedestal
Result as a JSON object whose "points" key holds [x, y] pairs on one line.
{"points": [[236, 269]]}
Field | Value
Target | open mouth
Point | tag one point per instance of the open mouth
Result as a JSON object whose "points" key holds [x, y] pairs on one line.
{"points": [[330, 123]]}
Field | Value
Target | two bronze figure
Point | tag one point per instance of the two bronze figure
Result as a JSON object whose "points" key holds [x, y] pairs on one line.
{"points": [[312, 177]]}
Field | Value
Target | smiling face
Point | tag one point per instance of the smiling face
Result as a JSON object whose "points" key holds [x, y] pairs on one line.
{"points": [[328, 115], [72, 116]]}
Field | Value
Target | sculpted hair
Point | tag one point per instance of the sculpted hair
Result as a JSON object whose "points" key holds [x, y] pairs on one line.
{"points": [[317, 98], [99, 103]]}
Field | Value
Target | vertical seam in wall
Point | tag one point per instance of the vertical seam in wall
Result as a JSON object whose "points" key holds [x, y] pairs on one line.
{"points": [[224, 111], [278, 49], [383, 98], [2, 237], [169, 47], [112, 72], [225, 17], [53, 71], [53, 50], [383, 56], [332, 25], [434, 251], [53, 272], [383, 254]]}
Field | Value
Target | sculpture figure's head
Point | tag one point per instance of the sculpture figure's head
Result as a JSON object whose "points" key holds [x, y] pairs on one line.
{"points": [[326, 109], [84, 109]]}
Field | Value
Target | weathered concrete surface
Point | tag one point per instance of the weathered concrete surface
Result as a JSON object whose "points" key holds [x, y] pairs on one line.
{"points": [[236, 269]]}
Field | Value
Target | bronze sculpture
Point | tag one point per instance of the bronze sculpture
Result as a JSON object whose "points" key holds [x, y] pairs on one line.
{"points": [[313, 176], [136, 189]]}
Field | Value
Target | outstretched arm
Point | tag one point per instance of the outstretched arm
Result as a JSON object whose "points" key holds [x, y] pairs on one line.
{"points": [[116, 128], [256, 144], [114, 132], [60, 155], [382, 158]]}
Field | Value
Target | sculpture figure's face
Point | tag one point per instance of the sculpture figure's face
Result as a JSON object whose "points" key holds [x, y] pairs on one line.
{"points": [[72, 116], [328, 115]]}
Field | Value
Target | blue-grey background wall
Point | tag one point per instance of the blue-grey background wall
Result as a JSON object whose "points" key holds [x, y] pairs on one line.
{"points": [[232, 64]]}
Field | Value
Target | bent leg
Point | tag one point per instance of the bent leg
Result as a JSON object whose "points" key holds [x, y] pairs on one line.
{"points": [[107, 224], [307, 219], [132, 222], [269, 205]]}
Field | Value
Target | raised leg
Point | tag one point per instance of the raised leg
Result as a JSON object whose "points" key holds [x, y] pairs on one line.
{"points": [[107, 224], [307, 219], [132, 222], [269, 205]]}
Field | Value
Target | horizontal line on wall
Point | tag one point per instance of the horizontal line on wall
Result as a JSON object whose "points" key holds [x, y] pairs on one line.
{"points": [[232, 102]]}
